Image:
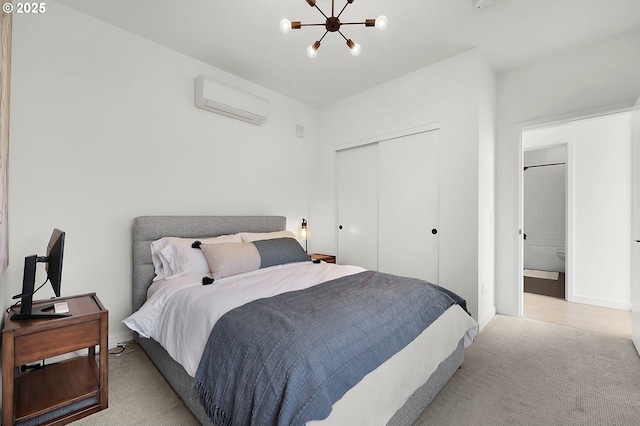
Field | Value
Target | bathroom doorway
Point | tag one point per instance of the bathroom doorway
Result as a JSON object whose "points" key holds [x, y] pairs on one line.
{"points": [[597, 255], [545, 220]]}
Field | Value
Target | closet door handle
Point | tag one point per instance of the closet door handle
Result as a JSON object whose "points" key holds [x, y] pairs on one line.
{"points": [[340, 227], [434, 231]]}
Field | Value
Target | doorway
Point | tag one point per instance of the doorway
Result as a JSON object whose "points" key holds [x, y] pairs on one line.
{"points": [[545, 219], [598, 207]]}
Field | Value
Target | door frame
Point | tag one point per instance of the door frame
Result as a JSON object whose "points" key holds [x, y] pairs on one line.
{"points": [[517, 240]]}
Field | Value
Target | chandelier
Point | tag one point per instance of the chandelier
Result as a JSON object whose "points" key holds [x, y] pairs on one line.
{"points": [[332, 24]]}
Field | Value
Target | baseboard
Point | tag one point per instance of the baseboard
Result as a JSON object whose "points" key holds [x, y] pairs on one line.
{"points": [[484, 321], [605, 303], [115, 339], [506, 310]]}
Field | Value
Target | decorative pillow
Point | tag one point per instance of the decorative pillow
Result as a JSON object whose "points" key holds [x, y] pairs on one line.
{"points": [[249, 237], [235, 258], [231, 258], [178, 257], [280, 251]]}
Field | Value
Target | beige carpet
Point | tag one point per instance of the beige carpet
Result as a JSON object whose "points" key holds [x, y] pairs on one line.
{"points": [[518, 372], [524, 372], [138, 395]]}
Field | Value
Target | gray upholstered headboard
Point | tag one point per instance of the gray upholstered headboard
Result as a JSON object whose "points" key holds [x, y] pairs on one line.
{"points": [[147, 229]]}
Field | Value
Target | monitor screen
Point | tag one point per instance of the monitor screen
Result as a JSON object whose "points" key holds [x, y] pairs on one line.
{"points": [[55, 249], [53, 266]]}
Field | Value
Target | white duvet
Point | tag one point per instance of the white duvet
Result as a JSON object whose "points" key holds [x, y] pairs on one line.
{"points": [[180, 313]]}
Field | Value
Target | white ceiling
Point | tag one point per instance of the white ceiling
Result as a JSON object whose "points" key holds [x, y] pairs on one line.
{"points": [[242, 36]]}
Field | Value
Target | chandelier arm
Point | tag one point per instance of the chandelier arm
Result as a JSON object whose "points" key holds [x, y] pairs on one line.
{"points": [[353, 23], [313, 25], [320, 10], [340, 32], [345, 6], [325, 33]]}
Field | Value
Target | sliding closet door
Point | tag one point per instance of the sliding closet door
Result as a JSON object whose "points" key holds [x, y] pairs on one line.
{"points": [[358, 206], [408, 206]]}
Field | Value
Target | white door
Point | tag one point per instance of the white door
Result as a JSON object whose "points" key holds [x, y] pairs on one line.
{"points": [[358, 206], [408, 206], [635, 265]]}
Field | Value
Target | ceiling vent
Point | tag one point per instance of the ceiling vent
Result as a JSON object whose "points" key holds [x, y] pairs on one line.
{"points": [[481, 4], [214, 96]]}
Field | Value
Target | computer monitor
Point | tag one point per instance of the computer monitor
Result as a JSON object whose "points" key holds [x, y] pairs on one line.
{"points": [[53, 260]]}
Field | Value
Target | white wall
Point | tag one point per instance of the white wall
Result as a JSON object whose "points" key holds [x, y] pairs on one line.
{"points": [[601, 157], [103, 129], [458, 94], [593, 77]]}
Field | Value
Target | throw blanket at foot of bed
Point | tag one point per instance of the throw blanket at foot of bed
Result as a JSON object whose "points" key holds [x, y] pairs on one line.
{"points": [[286, 359]]}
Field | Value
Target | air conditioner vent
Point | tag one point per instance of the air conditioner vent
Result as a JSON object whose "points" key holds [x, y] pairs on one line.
{"points": [[221, 98]]}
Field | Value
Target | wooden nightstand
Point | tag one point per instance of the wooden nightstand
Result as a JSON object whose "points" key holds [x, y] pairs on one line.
{"points": [[329, 258], [60, 392]]}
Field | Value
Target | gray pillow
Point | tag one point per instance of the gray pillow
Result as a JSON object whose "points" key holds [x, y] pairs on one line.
{"points": [[279, 251]]}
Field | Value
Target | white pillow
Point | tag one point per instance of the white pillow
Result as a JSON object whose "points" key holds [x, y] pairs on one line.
{"points": [[249, 237], [178, 257], [160, 264]]}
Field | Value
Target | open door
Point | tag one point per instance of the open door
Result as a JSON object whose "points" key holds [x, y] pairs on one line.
{"points": [[635, 262]]}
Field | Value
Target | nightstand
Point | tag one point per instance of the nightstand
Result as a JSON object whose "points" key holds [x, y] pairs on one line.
{"points": [[329, 258], [64, 391]]}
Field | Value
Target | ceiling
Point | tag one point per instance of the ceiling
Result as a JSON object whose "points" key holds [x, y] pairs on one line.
{"points": [[242, 36]]}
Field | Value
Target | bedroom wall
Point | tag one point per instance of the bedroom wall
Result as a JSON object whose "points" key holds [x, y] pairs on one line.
{"points": [[601, 76], [104, 129], [457, 93]]}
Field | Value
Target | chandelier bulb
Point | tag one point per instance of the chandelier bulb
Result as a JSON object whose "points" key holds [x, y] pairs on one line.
{"points": [[382, 22], [285, 26], [355, 47], [312, 50]]}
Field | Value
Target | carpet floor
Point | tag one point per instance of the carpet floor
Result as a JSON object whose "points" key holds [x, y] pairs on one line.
{"points": [[518, 372], [525, 372]]}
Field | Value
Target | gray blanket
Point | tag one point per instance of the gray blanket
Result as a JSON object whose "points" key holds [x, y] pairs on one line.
{"points": [[285, 360]]}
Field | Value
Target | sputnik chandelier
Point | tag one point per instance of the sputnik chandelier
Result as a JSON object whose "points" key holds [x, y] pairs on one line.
{"points": [[332, 25]]}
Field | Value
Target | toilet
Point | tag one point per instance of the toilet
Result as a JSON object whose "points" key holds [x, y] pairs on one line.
{"points": [[561, 254]]}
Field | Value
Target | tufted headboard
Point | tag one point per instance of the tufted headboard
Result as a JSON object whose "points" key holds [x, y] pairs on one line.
{"points": [[147, 229]]}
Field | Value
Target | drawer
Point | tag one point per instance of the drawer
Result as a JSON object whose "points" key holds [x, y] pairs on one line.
{"points": [[49, 343]]}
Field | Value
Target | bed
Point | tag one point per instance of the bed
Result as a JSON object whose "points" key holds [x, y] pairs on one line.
{"points": [[395, 392]]}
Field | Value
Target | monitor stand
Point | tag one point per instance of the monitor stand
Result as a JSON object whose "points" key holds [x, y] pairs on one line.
{"points": [[27, 312], [39, 313]]}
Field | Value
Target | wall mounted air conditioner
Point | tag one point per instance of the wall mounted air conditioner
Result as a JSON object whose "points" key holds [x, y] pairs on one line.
{"points": [[214, 96]]}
